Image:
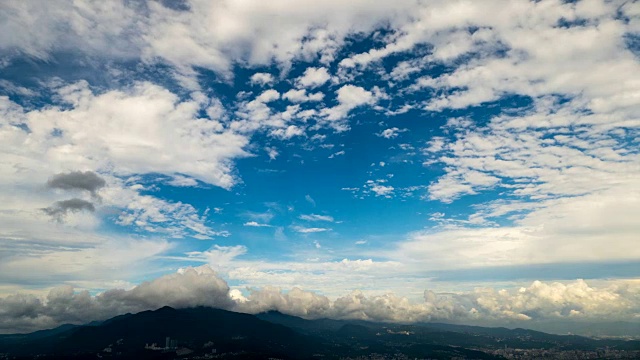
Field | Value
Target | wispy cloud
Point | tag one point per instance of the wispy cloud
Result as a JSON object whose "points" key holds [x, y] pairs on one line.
{"points": [[316, 217], [308, 230]]}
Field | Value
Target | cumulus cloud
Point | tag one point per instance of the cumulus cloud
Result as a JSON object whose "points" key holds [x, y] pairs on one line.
{"points": [[187, 288], [313, 77], [261, 79], [156, 122], [300, 96], [203, 287], [349, 97]]}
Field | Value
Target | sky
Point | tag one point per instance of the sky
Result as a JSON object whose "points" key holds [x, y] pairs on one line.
{"points": [[462, 161]]}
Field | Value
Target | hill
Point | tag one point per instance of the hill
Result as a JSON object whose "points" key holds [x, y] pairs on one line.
{"points": [[207, 333]]}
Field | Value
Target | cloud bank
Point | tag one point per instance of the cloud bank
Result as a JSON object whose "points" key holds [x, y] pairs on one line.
{"points": [[201, 286]]}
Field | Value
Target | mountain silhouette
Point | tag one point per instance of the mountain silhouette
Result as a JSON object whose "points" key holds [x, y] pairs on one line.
{"points": [[204, 331]]}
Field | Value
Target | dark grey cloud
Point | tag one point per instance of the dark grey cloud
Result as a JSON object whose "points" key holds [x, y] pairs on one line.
{"points": [[61, 208], [77, 180]]}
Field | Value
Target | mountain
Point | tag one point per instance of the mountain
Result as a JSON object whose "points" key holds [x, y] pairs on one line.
{"points": [[206, 332], [192, 328]]}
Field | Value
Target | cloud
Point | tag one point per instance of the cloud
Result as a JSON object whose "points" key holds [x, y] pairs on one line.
{"points": [[256, 224], [337, 153], [154, 215], [96, 261], [61, 208], [77, 180], [310, 200], [187, 288], [391, 133], [268, 96], [513, 152], [382, 190], [577, 229], [300, 96], [313, 77], [563, 162], [262, 217], [156, 122], [219, 256], [182, 181], [315, 217], [213, 36], [349, 97], [271, 152], [306, 230], [378, 188], [202, 286], [261, 79], [288, 133]]}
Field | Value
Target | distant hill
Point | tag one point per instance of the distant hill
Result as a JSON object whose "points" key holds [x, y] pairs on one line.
{"points": [[201, 331]]}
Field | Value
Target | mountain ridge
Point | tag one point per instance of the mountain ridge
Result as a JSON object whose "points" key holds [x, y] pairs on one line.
{"points": [[274, 334]]}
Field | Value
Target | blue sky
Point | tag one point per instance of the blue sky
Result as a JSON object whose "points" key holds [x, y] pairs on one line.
{"points": [[368, 147]]}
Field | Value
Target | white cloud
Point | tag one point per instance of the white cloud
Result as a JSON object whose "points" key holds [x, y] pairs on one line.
{"points": [[307, 230], [391, 133], [268, 96], [218, 256], [574, 230], [187, 288], [116, 135], [382, 190], [261, 79], [255, 224], [271, 152], [155, 122], [566, 167], [537, 161], [300, 96], [182, 181], [86, 257], [316, 217], [337, 153], [202, 286], [313, 77], [378, 188], [288, 133], [260, 115], [349, 97], [208, 35]]}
